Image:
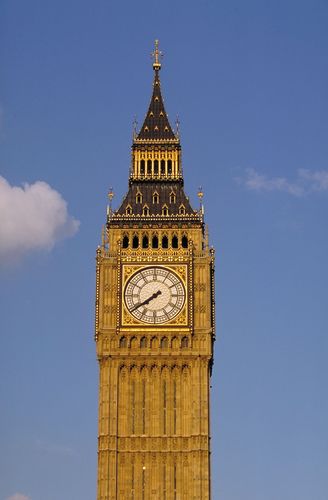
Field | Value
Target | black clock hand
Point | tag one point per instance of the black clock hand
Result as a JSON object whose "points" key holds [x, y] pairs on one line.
{"points": [[156, 294]]}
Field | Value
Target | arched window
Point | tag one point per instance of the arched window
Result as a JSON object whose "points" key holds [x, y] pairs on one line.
{"points": [[175, 343], [139, 197], [164, 343], [165, 210], [172, 197], [145, 241], [154, 242], [128, 210], [125, 242], [182, 210], [156, 167], [142, 167], [154, 343], [135, 241], [149, 167], [165, 242], [169, 167], [175, 242], [143, 343], [134, 343], [123, 342], [162, 167], [184, 342], [184, 241], [155, 197], [145, 210]]}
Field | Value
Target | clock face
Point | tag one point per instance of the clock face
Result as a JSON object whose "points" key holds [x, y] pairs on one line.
{"points": [[154, 295]]}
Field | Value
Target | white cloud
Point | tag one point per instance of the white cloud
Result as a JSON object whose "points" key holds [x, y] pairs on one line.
{"points": [[18, 496], [32, 217], [306, 182], [318, 179]]}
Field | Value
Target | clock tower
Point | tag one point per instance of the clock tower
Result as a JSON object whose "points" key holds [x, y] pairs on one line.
{"points": [[154, 327]]}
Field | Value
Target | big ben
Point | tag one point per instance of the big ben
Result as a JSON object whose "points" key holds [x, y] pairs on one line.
{"points": [[154, 327]]}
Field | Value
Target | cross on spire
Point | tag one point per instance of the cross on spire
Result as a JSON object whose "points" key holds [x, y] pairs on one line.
{"points": [[157, 56]]}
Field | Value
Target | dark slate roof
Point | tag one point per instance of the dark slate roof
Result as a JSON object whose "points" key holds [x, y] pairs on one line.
{"points": [[156, 125], [164, 190]]}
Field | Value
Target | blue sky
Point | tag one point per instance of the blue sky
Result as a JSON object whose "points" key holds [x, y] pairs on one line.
{"points": [[248, 81]]}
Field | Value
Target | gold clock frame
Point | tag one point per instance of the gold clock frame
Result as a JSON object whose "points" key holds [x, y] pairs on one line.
{"points": [[180, 320]]}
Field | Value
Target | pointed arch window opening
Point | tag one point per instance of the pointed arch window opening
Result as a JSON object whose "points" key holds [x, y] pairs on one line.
{"points": [[145, 211], [182, 209], [164, 343], [135, 241], [128, 210], [162, 167], [149, 167], [145, 241], [155, 241], [123, 342], [172, 197], [184, 241], [143, 343], [165, 210], [184, 342], [165, 242], [138, 197], [156, 167], [125, 242], [175, 241]]}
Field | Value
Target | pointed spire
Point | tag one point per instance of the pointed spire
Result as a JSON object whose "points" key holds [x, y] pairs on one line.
{"points": [[156, 126], [157, 55]]}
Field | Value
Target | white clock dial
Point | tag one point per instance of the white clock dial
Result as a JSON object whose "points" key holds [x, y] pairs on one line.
{"points": [[154, 295]]}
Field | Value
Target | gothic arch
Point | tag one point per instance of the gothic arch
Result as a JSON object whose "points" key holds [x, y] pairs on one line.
{"points": [[134, 343], [164, 343], [175, 241], [175, 343], [143, 342], [125, 241], [184, 241], [123, 342], [184, 342]]}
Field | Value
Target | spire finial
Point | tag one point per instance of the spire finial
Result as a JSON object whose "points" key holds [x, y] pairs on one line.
{"points": [[177, 126], [135, 125], [109, 207], [200, 195], [157, 55]]}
